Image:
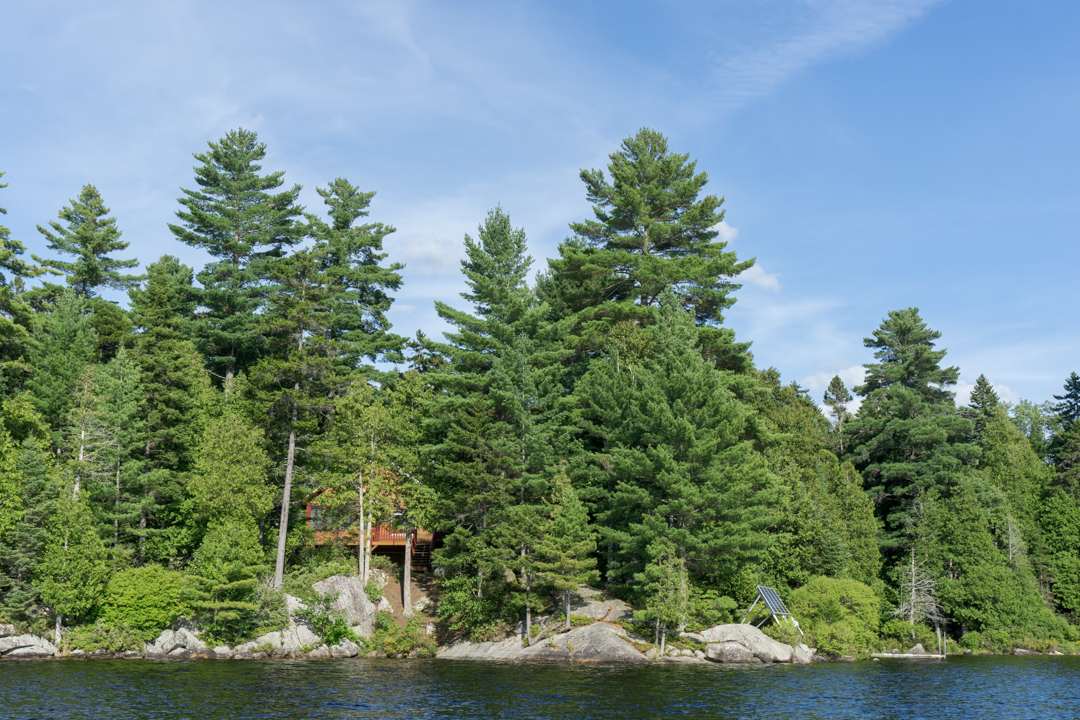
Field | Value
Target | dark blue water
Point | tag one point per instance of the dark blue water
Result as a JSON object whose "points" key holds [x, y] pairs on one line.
{"points": [[965, 687]]}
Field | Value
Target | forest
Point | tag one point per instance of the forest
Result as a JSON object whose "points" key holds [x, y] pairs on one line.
{"points": [[591, 422]]}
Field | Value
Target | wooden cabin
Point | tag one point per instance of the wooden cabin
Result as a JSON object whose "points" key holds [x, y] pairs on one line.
{"points": [[385, 540]]}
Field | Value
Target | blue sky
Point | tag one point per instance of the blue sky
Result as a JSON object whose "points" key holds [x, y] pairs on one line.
{"points": [[873, 155]]}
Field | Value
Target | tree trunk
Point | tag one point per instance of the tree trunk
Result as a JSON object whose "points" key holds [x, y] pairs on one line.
{"points": [[406, 576], [56, 631], [286, 496], [566, 606], [663, 638], [361, 545], [528, 604]]}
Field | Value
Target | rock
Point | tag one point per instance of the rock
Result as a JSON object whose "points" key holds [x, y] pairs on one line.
{"points": [[1055, 652], [422, 604], [180, 654], [801, 655], [6, 630], [293, 604], [1024, 651], [696, 637], [78, 653], [131, 655], [378, 577], [699, 655], [384, 605], [756, 643], [430, 629], [346, 648], [969, 652], [651, 653], [917, 650], [223, 652], [509, 576], [27, 646], [592, 603], [729, 652], [351, 601], [591, 643], [320, 652], [439, 572]]}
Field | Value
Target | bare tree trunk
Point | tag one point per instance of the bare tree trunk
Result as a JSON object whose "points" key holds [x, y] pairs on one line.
{"points": [[286, 496], [663, 638], [528, 603], [406, 576], [56, 631], [361, 546], [566, 606]]}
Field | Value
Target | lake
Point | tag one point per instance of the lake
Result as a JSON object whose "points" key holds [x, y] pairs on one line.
{"points": [[962, 687]]}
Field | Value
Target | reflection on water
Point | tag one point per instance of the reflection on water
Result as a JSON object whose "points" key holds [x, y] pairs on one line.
{"points": [[964, 687]]}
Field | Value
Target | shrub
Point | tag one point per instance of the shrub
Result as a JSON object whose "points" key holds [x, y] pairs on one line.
{"points": [[903, 635], [971, 640], [842, 615], [146, 599], [329, 624], [397, 641], [708, 608], [373, 591], [104, 635]]}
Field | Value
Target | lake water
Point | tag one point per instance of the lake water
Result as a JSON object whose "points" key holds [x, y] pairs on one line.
{"points": [[963, 687]]}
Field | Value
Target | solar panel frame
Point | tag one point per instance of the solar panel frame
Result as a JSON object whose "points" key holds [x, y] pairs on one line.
{"points": [[772, 600]]}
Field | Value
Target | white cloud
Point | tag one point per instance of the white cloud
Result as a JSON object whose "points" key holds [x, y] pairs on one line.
{"points": [[963, 392], [756, 275], [726, 233], [830, 28]]}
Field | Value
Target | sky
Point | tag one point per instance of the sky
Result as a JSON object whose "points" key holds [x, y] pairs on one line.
{"points": [[872, 154]]}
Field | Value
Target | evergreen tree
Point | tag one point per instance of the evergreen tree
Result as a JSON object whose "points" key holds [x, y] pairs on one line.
{"points": [[236, 218], [16, 343], [354, 261], [1038, 423], [837, 397], [228, 483], [982, 405], [674, 462], [173, 388], [73, 569], [568, 543], [652, 233], [68, 344], [1068, 405], [907, 437], [1060, 522], [1067, 454], [91, 237]]}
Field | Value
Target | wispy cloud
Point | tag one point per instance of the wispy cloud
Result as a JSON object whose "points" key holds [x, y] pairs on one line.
{"points": [[756, 275]]}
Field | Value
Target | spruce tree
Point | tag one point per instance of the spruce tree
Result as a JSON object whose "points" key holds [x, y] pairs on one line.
{"points": [[908, 437], [237, 218], [228, 483], [652, 233], [565, 551], [90, 236], [16, 342], [982, 405], [1068, 405]]}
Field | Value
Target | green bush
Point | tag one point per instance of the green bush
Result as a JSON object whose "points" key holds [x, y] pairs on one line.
{"points": [[971, 640], [104, 635], [373, 591], [901, 634], [396, 641], [708, 608], [146, 599], [840, 615], [329, 624]]}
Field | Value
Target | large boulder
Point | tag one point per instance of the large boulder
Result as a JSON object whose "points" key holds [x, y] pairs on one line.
{"points": [[176, 643], [6, 630], [345, 648], [351, 601], [598, 605], [596, 643], [743, 643], [27, 646]]}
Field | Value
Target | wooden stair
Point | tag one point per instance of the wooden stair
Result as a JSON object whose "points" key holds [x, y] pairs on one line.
{"points": [[421, 556]]}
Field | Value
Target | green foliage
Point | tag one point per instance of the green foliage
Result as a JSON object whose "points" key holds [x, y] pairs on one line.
{"points": [[229, 480], [707, 608], [225, 571], [396, 641], [373, 591], [146, 599], [478, 608], [72, 572], [971, 640], [841, 615], [106, 635], [328, 623]]}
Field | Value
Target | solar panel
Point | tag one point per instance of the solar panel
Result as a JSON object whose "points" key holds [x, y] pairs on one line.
{"points": [[775, 605]]}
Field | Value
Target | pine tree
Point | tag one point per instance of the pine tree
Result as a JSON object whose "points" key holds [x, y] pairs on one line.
{"points": [[16, 343], [675, 464], [565, 552], [354, 261], [236, 218], [228, 482], [68, 344], [90, 236], [837, 397], [908, 437], [651, 233]]}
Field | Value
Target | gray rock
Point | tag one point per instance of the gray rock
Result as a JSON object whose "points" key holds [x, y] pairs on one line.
{"points": [[223, 652], [801, 655], [1023, 651], [917, 650], [680, 659], [131, 655], [320, 652], [384, 605], [1055, 652], [351, 601], [651, 653], [696, 637], [346, 648], [294, 604], [78, 653], [699, 654], [379, 577], [729, 652], [592, 603], [298, 636], [756, 643], [422, 604], [509, 576], [430, 629], [592, 643], [27, 646], [6, 630]]}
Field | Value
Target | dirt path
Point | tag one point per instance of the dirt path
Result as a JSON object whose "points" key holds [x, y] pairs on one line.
{"points": [[421, 586]]}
